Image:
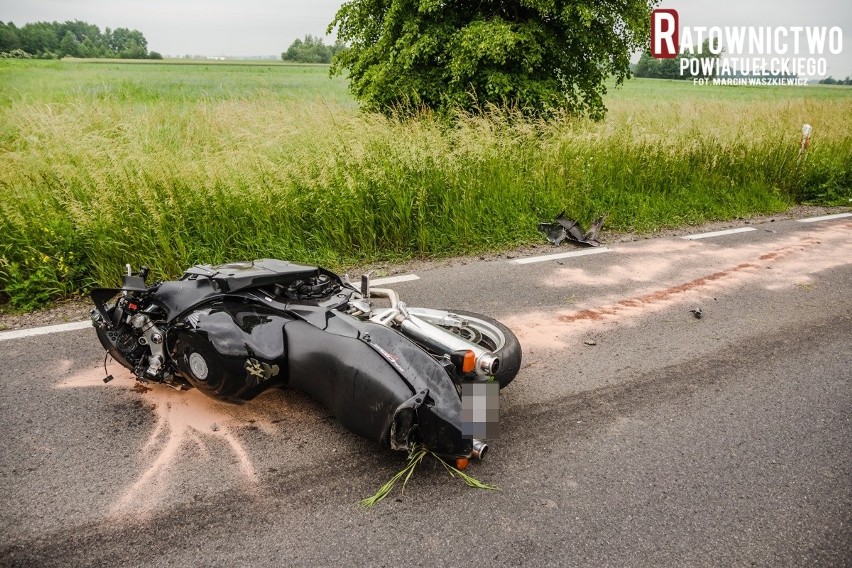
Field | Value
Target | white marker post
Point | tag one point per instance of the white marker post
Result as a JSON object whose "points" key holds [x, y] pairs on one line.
{"points": [[807, 130]]}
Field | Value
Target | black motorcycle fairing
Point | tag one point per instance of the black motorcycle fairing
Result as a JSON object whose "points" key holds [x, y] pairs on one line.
{"points": [[342, 371], [100, 296], [439, 419], [176, 296], [351, 380], [254, 274], [242, 345], [356, 365], [319, 312]]}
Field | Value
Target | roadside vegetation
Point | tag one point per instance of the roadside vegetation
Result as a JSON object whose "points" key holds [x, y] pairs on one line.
{"points": [[168, 165]]}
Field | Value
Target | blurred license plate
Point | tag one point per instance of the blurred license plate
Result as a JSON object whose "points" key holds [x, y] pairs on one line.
{"points": [[480, 410]]}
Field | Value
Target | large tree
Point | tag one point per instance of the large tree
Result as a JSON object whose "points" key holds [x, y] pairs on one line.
{"points": [[537, 55], [128, 44]]}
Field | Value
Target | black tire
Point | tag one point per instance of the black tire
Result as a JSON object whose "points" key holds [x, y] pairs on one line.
{"points": [[509, 352]]}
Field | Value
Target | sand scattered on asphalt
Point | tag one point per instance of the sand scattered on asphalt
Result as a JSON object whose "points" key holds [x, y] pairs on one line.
{"points": [[185, 424], [780, 265]]}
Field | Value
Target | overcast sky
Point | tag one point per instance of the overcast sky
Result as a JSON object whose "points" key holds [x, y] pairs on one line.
{"points": [[267, 27]]}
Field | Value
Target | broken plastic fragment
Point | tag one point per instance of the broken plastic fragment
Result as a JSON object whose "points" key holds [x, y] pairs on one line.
{"points": [[566, 228]]}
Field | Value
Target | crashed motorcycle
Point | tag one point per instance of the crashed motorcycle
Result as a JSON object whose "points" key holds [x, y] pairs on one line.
{"points": [[396, 374]]}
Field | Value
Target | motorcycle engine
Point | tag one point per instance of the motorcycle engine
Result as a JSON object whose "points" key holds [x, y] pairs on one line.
{"points": [[127, 342], [123, 344], [134, 341]]}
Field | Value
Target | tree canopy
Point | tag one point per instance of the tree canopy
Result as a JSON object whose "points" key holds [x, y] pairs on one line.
{"points": [[536, 55], [311, 50], [75, 39]]}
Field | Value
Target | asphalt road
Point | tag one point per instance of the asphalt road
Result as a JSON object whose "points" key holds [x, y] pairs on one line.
{"points": [[635, 434]]}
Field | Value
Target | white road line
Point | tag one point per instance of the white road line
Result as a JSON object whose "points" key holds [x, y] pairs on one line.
{"points": [[824, 218], [718, 233], [546, 257], [18, 333], [394, 279]]}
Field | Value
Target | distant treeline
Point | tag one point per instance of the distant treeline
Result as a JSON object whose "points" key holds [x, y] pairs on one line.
{"points": [[832, 81], [653, 68], [311, 50], [52, 40]]}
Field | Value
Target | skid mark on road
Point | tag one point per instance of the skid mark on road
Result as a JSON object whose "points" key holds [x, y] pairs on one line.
{"points": [[654, 297], [792, 262]]}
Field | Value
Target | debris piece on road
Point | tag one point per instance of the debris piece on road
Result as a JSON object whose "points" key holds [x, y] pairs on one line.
{"points": [[214, 427], [697, 313], [566, 228], [554, 233], [590, 342]]}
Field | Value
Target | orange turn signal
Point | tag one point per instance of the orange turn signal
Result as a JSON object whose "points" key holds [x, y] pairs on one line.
{"points": [[469, 362], [461, 463]]}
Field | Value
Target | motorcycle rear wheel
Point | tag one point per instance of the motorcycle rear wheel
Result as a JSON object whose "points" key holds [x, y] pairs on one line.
{"points": [[485, 332]]}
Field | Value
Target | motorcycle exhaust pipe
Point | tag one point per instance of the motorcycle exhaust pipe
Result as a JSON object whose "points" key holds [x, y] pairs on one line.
{"points": [[442, 341], [479, 449]]}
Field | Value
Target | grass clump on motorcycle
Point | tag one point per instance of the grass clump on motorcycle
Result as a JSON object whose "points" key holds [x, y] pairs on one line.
{"points": [[172, 165]]}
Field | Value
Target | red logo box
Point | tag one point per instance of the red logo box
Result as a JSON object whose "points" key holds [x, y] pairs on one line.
{"points": [[665, 33]]}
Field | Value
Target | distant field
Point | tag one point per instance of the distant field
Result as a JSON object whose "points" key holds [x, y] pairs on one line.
{"points": [[171, 164], [182, 81]]}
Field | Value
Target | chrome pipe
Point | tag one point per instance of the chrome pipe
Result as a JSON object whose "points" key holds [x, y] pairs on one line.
{"points": [[479, 449], [432, 336], [442, 341]]}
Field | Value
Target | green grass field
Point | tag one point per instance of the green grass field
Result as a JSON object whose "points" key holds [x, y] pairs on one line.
{"points": [[170, 164]]}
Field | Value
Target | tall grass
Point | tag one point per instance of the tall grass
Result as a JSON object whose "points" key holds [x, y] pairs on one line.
{"points": [[93, 178]]}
